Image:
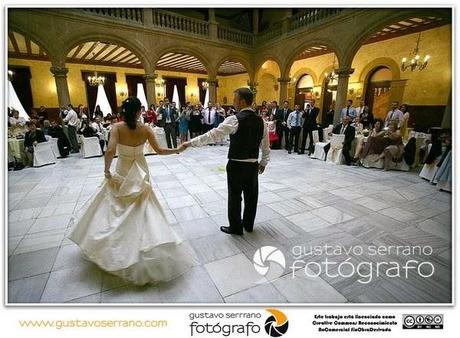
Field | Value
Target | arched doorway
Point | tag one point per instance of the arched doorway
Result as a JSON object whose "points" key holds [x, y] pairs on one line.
{"points": [[304, 90], [378, 89]]}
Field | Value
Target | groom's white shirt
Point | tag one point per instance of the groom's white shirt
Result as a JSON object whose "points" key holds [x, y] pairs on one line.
{"points": [[229, 127]]}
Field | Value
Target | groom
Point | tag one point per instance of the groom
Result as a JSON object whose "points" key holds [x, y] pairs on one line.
{"points": [[248, 133]]}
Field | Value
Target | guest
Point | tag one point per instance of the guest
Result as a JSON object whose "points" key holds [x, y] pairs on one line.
{"points": [[97, 126], [358, 126], [404, 121], [271, 127], [183, 125], [46, 126], [16, 120], [294, 124], [281, 124], [344, 128], [255, 107], [273, 108], [309, 125], [169, 117], [220, 115], [329, 119], [394, 115], [143, 116], [72, 122], [152, 115], [195, 123], [56, 131], [375, 143], [209, 116], [395, 149], [443, 177], [42, 115], [263, 108], [366, 118], [86, 129], [360, 109], [348, 111], [31, 139], [98, 112]]}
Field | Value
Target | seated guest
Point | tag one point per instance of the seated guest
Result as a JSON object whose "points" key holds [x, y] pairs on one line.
{"points": [[394, 115], [16, 120], [358, 126], [375, 143], [344, 128], [395, 149], [348, 110], [366, 118], [55, 131], [97, 126], [86, 130], [32, 137]]}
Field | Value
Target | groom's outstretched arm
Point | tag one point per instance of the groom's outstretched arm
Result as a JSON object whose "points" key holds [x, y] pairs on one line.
{"points": [[228, 127]]}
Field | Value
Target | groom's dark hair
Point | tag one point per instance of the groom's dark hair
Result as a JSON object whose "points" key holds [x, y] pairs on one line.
{"points": [[245, 94]]}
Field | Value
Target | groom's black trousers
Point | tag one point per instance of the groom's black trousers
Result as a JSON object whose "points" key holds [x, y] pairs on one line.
{"points": [[242, 177]]}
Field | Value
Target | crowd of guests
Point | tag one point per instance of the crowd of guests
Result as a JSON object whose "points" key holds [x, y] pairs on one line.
{"points": [[292, 129]]}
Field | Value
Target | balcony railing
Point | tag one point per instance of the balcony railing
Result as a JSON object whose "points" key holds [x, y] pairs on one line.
{"points": [[275, 31], [127, 14], [311, 16], [235, 36], [180, 23]]}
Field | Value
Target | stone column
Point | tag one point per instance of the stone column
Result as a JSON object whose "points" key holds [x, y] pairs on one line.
{"points": [[212, 86], [150, 88], [62, 89], [212, 23], [342, 91], [253, 87], [284, 83]]}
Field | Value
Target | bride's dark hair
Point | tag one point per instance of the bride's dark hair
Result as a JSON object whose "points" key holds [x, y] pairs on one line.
{"points": [[129, 109]]}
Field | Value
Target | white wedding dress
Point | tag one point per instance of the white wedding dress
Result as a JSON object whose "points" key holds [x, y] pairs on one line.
{"points": [[123, 229]]}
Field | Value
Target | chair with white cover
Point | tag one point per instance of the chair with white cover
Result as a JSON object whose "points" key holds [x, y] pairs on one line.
{"points": [[429, 170], [43, 154], [334, 154], [326, 132], [160, 136], [90, 147], [54, 146], [319, 152]]}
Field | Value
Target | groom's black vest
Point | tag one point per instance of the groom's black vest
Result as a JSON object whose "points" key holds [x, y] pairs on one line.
{"points": [[245, 143]]}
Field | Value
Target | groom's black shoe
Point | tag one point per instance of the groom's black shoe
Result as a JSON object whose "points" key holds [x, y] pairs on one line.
{"points": [[248, 228], [229, 231]]}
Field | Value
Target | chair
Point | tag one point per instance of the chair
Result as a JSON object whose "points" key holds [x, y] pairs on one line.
{"points": [[326, 132], [90, 147], [43, 154], [319, 152], [334, 154], [160, 136], [54, 146], [429, 170]]}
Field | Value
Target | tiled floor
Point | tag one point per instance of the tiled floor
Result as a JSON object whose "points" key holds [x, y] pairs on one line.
{"points": [[302, 202]]}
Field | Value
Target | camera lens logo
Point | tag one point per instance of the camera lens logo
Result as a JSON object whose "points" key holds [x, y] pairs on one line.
{"points": [[277, 324], [269, 261]]}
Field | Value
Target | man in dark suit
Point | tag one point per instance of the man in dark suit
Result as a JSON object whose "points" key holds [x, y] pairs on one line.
{"points": [[168, 122], [281, 124], [31, 138], [344, 128], [310, 115]]}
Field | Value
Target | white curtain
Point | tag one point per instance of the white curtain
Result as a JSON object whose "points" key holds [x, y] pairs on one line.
{"points": [[175, 97], [102, 101], [141, 95], [206, 98], [13, 102]]}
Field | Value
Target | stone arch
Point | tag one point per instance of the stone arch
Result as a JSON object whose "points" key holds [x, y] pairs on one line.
{"points": [[137, 48], [47, 45], [382, 21], [310, 43], [380, 62], [302, 71], [258, 66], [234, 57], [189, 51]]}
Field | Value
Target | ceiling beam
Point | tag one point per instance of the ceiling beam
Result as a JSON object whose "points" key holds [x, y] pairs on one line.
{"points": [[79, 48], [102, 50], [90, 49], [28, 46], [14, 42]]}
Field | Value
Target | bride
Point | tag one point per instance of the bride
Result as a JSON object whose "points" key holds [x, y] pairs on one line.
{"points": [[122, 227]]}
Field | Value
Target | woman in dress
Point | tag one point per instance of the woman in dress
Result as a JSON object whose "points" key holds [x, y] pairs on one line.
{"points": [[272, 135], [405, 121], [375, 143], [395, 149], [183, 124], [195, 123], [366, 118], [122, 227]]}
